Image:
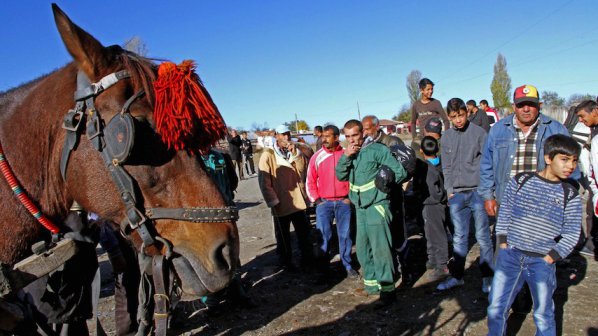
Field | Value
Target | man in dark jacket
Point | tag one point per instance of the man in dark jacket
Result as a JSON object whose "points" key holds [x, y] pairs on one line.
{"points": [[371, 129], [234, 149], [247, 151], [477, 116]]}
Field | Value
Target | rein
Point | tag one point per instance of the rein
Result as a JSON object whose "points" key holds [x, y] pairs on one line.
{"points": [[22, 196]]}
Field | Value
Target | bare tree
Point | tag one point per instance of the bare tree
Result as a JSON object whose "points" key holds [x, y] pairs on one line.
{"points": [[413, 85], [577, 98], [136, 45], [551, 98]]}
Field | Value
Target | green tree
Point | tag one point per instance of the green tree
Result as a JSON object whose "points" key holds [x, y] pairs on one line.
{"points": [[551, 98], [404, 114], [301, 125], [501, 84], [413, 85]]}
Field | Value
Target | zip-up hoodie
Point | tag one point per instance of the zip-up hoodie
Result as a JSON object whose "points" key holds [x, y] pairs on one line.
{"points": [[321, 175], [461, 154]]}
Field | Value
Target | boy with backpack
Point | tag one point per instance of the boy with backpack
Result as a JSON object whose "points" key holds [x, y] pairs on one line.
{"points": [[538, 224], [428, 185]]}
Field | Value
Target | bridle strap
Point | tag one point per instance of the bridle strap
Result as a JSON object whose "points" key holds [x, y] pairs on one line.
{"points": [[161, 294], [136, 219], [197, 215], [91, 90]]}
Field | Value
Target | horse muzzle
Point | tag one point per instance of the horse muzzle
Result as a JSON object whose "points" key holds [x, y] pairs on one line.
{"points": [[199, 277]]}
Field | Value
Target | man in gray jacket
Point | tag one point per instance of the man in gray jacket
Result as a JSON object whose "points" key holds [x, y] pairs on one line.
{"points": [[461, 153]]}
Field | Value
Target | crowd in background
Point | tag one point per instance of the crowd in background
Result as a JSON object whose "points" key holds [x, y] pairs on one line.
{"points": [[462, 168]]}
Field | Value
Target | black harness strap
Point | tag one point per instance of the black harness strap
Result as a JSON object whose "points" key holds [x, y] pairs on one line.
{"points": [[154, 269], [161, 294]]}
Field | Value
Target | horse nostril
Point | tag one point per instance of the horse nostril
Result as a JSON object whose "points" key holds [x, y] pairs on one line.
{"points": [[222, 257]]}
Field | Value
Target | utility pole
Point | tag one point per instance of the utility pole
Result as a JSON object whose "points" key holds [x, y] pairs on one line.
{"points": [[296, 125], [358, 111]]}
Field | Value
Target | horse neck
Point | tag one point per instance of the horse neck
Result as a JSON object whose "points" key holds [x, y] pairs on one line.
{"points": [[32, 137]]}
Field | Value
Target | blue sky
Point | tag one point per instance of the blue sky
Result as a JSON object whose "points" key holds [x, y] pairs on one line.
{"points": [[264, 61]]}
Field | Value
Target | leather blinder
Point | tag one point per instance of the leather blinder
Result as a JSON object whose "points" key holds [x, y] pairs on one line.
{"points": [[119, 135]]}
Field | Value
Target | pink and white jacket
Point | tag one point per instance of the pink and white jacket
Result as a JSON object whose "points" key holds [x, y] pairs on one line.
{"points": [[321, 176]]}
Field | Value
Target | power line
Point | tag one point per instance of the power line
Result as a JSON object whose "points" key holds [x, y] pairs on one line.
{"points": [[518, 35]]}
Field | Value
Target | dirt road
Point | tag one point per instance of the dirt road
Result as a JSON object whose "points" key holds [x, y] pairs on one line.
{"points": [[294, 304]]}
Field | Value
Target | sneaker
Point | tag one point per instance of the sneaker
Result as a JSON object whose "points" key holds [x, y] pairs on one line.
{"points": [[486, 285], [449, 283], [352, 274], [438, 274]]}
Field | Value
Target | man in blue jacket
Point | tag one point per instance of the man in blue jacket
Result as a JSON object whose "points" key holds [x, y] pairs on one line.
{"points": [[515, 144]]}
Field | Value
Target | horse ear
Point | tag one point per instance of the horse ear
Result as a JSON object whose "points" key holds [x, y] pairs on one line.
{"points": [[85, 49]]}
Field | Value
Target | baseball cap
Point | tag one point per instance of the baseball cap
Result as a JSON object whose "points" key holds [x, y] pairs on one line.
{"points": [[526, 93], [434, 125], [282, 129]]}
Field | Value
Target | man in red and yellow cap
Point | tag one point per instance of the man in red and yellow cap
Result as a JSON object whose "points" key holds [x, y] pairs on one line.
{"points": [[515, 144]]}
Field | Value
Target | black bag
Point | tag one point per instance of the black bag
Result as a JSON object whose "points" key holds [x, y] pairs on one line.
{"points": [[406, 156]]}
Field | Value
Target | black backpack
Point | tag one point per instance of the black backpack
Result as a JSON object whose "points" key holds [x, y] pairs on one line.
{"points": [[406, 156]]}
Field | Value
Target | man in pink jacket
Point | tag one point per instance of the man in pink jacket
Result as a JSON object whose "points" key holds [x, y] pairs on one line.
{"points": [[330, 196]]}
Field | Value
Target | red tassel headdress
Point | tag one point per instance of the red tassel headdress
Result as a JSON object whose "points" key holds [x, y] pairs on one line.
{"points": [[185, 115]]}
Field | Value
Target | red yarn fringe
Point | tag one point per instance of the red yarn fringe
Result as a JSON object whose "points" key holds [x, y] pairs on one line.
{"points": [[184, 113]]}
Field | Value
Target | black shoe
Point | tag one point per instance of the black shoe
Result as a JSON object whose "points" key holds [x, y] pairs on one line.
{"points": [[386, 300]]}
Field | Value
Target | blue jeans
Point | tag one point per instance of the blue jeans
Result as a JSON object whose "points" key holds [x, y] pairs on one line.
{"points": [[325, 213], [513, 268], [462, 206]]}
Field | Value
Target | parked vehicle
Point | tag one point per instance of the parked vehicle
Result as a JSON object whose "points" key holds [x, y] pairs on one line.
{"points": [[492, 117]]}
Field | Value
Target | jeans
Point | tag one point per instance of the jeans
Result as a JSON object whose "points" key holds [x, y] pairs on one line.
{"points": [[462, 206], [325, 213], [513, 268]]}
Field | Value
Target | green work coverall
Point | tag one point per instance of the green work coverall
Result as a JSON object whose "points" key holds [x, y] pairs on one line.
{"points": [[374, 241]]}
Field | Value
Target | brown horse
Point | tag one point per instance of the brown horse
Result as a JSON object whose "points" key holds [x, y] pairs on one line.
{"points": [[204, 254]]}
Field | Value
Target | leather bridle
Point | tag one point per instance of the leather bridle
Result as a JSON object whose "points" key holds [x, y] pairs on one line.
{"points": [[115, 150], [114, 141]]}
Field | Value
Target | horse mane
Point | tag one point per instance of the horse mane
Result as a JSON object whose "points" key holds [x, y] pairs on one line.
{"points": [[143, 72]]}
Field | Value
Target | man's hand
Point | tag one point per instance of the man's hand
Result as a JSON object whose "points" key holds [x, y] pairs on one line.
{"points": [[292, 148], [503, 245], [548, 259], [352, 150], [491, 207]]}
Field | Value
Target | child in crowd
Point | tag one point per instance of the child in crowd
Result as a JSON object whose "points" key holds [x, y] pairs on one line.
{"points": [[428, 185], [538, 224], [461, 153]]}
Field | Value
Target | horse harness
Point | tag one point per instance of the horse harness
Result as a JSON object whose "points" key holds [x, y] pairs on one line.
{"points": [[115, 141]]}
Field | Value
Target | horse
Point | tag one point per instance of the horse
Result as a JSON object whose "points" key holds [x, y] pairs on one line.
{"points": [[155, 186]]}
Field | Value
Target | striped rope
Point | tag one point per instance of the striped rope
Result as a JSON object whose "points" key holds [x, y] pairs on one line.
{"points": [[22, 195]]}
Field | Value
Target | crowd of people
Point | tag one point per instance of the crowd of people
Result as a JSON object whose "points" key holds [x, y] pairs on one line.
{"points": [[460, 168]]}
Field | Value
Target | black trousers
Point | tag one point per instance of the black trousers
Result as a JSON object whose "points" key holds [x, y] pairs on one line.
{"points": [[249, 165], [282, 228]]}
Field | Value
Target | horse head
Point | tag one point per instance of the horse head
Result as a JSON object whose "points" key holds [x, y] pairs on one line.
{"points": [[170, 195]]}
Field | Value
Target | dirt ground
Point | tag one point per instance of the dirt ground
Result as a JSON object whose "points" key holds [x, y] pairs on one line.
{"points": [[294, 304]]}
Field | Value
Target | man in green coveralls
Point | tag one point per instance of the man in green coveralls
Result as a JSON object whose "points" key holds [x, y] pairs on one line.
{"points": [[360, 165]]}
